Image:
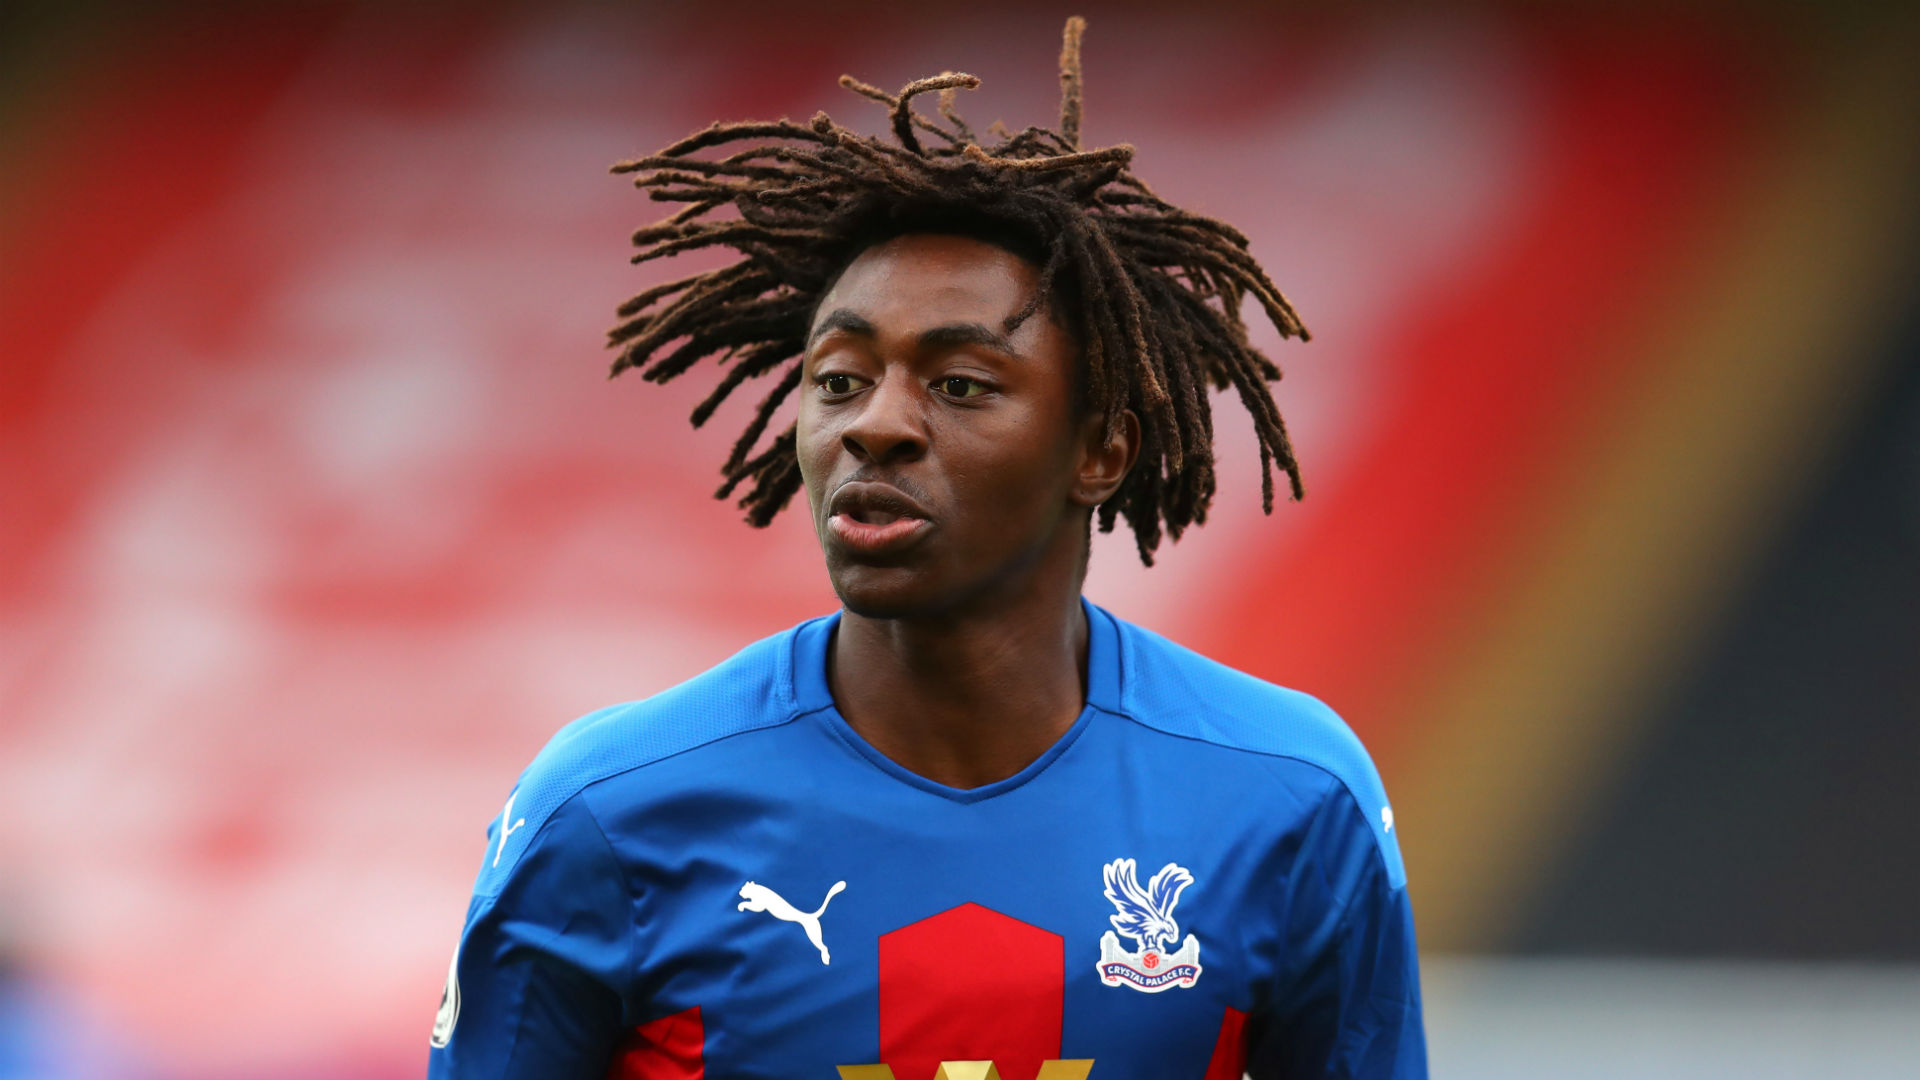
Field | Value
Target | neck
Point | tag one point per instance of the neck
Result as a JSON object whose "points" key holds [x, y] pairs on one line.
{"points": [[965, 699]]}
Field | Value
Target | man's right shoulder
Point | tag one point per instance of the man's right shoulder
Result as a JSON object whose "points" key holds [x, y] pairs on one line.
{"points": [[750, 691]]}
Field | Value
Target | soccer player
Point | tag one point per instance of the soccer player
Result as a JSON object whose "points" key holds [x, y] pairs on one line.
{"points": [[970, 820]]}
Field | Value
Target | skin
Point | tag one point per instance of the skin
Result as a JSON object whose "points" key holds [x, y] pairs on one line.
{"points": [[961, 654]]}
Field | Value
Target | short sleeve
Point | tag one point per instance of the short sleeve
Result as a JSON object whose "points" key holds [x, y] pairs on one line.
{"points": [[535, 986], [1350, 1003]]}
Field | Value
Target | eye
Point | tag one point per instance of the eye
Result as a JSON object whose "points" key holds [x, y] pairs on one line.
{"points": [[840, 383], [960, 386]]}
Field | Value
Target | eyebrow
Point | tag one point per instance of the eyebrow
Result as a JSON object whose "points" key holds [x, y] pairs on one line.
{"points": [[842, 320], [948, 335]]}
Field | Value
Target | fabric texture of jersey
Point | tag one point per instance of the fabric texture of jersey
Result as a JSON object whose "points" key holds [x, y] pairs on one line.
{"points": [[1199, 879]]}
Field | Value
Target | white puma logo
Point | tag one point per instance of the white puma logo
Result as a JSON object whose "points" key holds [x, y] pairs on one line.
{"points": [[506, 830], [757, 897]]}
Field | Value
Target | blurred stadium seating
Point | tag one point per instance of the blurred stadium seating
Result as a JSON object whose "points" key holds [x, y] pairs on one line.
{"points": [[317, 514]]}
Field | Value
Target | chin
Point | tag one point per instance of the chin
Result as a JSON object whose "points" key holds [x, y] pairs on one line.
{"points": [[885, 592]]}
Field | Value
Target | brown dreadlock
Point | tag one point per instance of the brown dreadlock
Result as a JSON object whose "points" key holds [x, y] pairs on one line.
{"points": [[1153, 292]]}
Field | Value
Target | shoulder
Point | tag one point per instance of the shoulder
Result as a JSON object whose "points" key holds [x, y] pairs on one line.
{"points": [[750, 691], [1174, 690]]}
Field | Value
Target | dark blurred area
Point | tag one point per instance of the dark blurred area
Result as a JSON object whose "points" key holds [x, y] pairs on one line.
{"points": [[1765, 814], [318, 514]]}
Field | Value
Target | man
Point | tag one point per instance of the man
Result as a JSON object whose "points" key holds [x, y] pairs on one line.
{"points": [[970, 821]]}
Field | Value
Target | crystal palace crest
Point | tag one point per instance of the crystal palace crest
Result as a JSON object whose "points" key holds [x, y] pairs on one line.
{"points": [[1146, 916]]}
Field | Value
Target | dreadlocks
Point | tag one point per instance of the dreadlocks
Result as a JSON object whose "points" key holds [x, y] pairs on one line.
{"points": [[1153, 292]]}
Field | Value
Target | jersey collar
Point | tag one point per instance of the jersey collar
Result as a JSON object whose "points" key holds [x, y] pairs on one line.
{"points": [[812, 696]]}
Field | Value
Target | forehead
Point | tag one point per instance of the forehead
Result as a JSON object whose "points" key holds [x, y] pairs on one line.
{"points": [[930, 279]]}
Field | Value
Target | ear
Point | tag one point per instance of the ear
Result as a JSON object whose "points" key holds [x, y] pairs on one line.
{"points": [[1107, 453]]}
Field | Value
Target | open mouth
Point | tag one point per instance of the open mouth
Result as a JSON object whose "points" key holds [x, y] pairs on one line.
{"points": [[875, 532], [874, 519], [874, 515]]}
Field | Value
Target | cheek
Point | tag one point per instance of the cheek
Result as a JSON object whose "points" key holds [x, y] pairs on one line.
{"points": [[812, 451], [1006, 469]]}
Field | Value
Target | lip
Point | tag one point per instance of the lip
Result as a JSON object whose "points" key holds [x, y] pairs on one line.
{"points": [[854, 501]]}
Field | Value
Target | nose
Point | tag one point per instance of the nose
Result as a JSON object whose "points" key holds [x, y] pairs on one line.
{"points": [[890, 428]]}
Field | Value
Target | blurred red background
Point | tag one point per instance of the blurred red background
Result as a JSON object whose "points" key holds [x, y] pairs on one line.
{"points": [[318, 515]]}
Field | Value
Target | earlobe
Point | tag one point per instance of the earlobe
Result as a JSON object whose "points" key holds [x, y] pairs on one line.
{"points": [[1108, 454]]}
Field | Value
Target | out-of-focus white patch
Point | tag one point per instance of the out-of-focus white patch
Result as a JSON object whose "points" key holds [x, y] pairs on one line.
{"points": [[449, 1013]]}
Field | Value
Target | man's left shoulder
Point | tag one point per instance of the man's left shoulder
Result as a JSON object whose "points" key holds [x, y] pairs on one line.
{"points": [[1171, 688]]}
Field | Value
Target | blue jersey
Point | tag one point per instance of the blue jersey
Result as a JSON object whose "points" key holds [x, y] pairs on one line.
{"points": [[1199, 879]]}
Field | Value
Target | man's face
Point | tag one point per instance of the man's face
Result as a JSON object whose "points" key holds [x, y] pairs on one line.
{"points": [[942, 457]]}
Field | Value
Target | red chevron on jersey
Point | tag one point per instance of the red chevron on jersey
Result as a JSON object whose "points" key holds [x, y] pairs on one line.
{"points": [[970, 984]]}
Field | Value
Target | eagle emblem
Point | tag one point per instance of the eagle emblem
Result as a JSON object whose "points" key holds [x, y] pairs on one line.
{"points": [[1146, 916]]}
